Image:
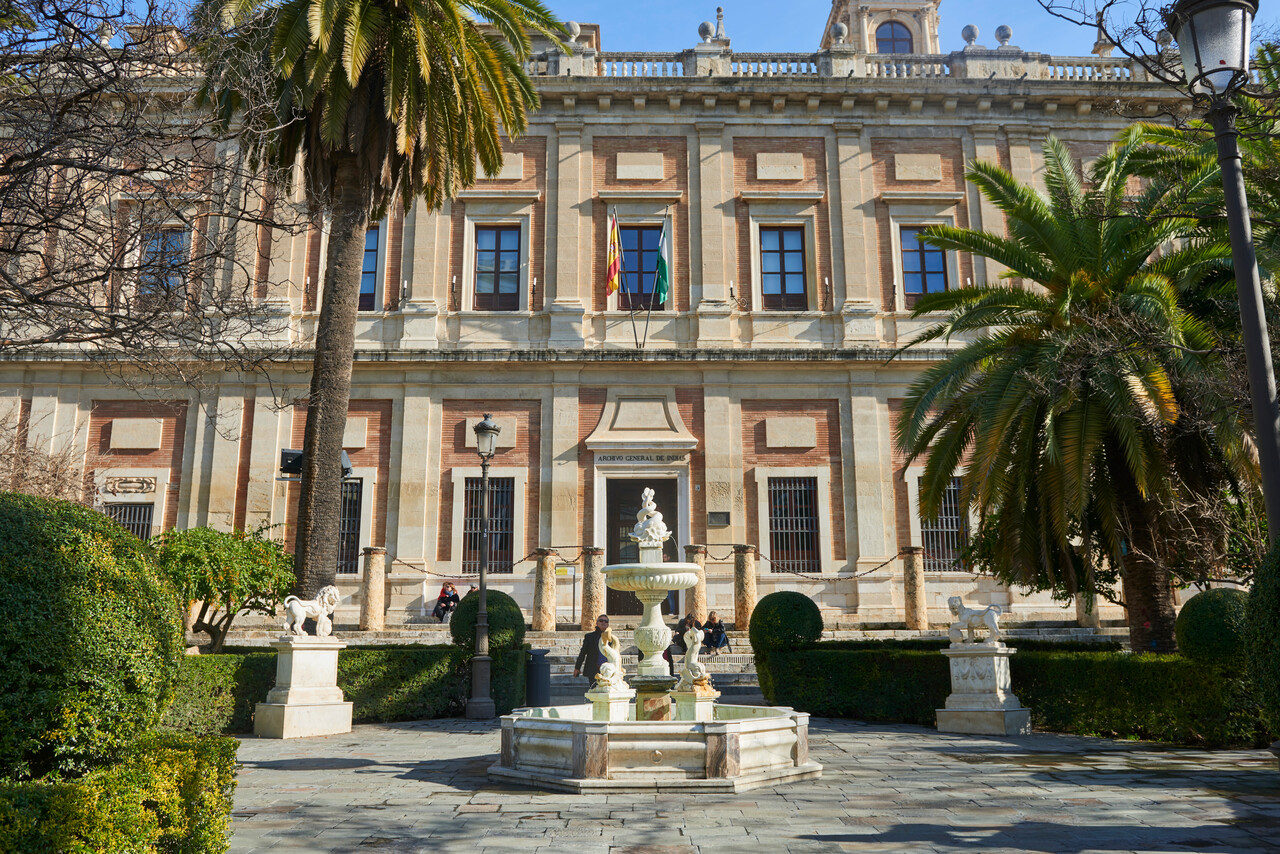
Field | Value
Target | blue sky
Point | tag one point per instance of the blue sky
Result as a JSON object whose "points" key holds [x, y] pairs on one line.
{"points": [[796, 25]]}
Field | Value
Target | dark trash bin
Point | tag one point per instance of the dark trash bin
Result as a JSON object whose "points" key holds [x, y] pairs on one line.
{"points": [[537, 679]]}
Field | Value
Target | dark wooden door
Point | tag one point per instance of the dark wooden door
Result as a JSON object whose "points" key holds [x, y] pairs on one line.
{"points": [[622, 503]]}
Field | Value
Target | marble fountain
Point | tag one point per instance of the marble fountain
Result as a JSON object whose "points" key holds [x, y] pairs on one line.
{"points": [[658, 732]]}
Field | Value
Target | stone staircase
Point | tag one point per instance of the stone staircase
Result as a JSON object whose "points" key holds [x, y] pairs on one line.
{"points": [[733, 672]]}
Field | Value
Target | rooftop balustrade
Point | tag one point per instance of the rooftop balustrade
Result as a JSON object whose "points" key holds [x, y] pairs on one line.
{"points": [[839, 62]]}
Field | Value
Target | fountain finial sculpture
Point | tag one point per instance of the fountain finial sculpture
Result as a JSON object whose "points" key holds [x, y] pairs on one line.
{"points": [[610, 674], [650, 531]]}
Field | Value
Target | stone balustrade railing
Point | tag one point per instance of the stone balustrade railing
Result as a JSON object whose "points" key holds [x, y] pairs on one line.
{"points": [[840, 62]]}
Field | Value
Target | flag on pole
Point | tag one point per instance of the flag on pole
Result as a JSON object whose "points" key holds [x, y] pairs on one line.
{"points": [[662, 276], [613, 279]]}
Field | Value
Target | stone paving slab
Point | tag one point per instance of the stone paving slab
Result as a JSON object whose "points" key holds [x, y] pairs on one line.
{"points": [[421, 787]]}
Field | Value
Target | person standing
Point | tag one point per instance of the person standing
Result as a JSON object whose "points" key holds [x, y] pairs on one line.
{"points": [[589, 657]]}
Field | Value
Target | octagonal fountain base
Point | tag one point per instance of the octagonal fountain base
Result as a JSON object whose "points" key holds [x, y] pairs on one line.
{"points": [[743, 747]]}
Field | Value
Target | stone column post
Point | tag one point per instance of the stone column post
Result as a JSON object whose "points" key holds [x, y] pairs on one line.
{"points": [[698, 593], [593, 598], [1087, 619], [915, 604], [373, 602], [544, 591], [744, 585]]}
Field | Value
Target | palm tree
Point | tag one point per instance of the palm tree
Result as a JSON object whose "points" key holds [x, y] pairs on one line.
{"points": [[1067, 406], [376, 101]]}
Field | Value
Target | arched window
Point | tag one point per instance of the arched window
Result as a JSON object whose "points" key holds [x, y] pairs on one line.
{"points": [[893, 37]]}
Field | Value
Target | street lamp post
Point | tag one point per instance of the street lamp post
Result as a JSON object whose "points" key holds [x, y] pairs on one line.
{"points": [[1213, 39], [480, 706]]}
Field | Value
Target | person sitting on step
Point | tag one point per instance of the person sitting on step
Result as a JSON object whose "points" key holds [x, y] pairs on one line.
{"points": [[446, 601], [714, 636]]}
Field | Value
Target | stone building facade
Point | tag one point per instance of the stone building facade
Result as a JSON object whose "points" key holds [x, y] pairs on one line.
{"points": [[760, 403]]}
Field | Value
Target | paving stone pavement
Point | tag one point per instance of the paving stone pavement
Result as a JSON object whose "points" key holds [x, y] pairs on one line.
{"points": [[421, 787]]}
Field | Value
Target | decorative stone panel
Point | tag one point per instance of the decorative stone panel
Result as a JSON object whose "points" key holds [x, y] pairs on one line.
{"points": [[917, 167], [640, 166], [136, 434], [791, 432], [779, 166]]}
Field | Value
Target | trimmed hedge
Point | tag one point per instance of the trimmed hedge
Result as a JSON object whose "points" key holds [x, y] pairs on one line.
{"points": [[218, 693], [784, 620], [89, 643], [1262, 634], [506, 621], [166, 793], [1161, 698], [1210, 626]]}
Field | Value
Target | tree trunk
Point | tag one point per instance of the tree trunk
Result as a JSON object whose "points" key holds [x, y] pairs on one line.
{"points": [[1148, 590], [320, 503]]}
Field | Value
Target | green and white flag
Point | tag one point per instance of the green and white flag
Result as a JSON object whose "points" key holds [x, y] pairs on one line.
{"points": [[662, 276]]}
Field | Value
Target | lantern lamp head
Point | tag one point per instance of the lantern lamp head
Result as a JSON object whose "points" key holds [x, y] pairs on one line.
{"points": [[1213, 38], [487, 437]]}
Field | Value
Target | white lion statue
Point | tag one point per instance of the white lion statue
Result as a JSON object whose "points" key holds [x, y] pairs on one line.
{"points": [[971, 619], [296, 610]]}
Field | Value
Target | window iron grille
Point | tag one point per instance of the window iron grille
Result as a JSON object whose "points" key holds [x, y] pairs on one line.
{"points": [[349, 527], [135, 518], [945, 537], [502, 494], [793, 524]]}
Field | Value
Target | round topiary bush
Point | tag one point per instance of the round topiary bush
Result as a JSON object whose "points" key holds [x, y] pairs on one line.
{"points": [[506, 621], [1262, 635], [785, 620], [1210, 626], [90, 640]]}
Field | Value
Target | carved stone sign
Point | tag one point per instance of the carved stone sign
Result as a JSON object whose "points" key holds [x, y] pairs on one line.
{"points": [[129, 485], [662, 459]]}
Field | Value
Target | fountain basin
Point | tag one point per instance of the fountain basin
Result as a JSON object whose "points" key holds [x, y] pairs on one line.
{"points": [[742, 747], [656, 577]]}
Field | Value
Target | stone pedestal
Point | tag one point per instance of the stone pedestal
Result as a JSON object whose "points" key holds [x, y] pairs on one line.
{"points": [[697, 605], [913, 594], [593, 596], [610, 704], [696, 705], [744, 585], [373, 603], [653, 697], [544, 591], [982, 701], [306, 699]]}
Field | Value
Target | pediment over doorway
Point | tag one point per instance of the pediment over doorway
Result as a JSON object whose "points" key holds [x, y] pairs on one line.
{"points": [[636, 420]]}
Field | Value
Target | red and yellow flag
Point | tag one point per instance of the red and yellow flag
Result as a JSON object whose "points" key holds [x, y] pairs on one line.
{"points": [[613, 280]]}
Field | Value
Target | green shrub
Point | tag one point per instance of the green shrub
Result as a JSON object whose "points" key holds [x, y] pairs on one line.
{"points": [[218, 693], [1210, 626], [90, 641], [228, 572], [785, 620], [1262, 634], [1162, 698], [167, 793], [506, 621], [403, 684]]}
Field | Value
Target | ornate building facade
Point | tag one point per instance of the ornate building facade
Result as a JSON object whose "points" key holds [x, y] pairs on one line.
{"points": [[758, 399]]}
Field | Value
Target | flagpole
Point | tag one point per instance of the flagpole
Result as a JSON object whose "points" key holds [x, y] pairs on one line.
{"points": [[622, 273], [657, 268]]}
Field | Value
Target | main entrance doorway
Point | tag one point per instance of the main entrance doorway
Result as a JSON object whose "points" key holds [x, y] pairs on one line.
{"points": [[622, 503]]}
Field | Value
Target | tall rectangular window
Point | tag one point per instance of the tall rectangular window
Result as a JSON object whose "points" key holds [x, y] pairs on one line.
{"points": [[369, 271], [135, 518], [349, 527], [497, 268], [502, 507], [924, 268], [944, 538], [639, 266], [782, 268], [793, 524], [163, 265]]}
